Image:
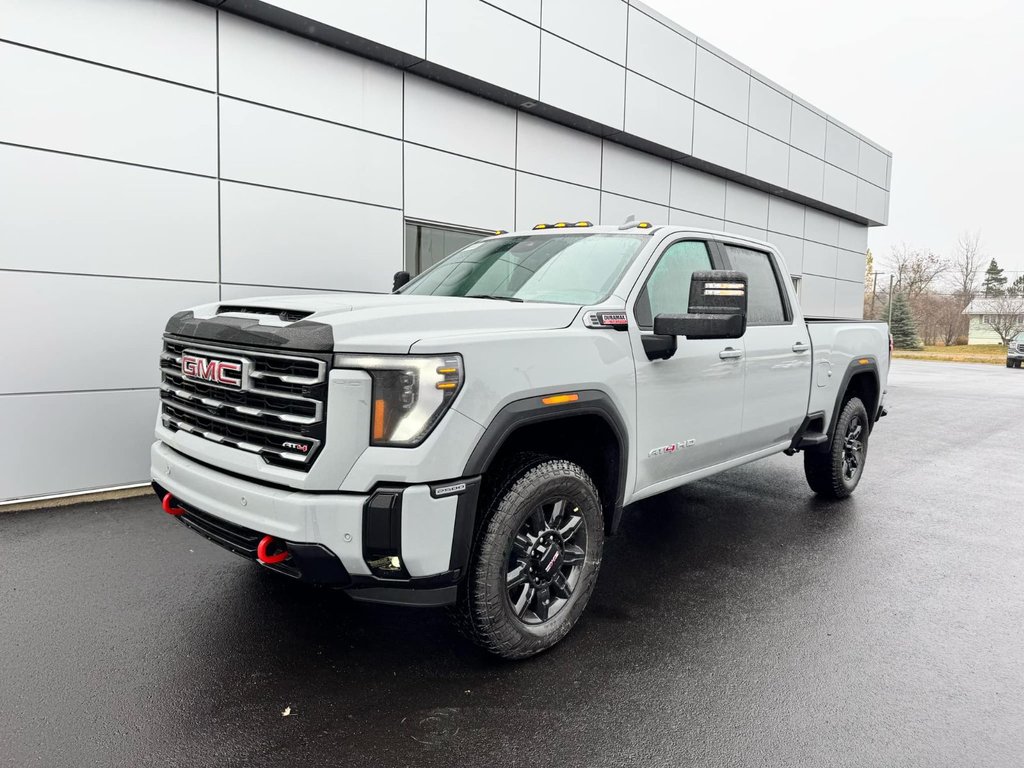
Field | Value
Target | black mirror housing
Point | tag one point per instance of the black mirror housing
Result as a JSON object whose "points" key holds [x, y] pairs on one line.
{"points": [[401, 278], [717, 308]]}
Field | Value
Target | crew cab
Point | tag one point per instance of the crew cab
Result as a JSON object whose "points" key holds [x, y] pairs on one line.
{"points": [[471, 439]]}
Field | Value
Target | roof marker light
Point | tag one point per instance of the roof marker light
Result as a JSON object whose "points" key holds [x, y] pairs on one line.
{"points": [[541, 226]]}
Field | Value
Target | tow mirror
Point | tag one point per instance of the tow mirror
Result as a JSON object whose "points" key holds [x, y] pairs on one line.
{"points": [[717, 310], [401, 278]]}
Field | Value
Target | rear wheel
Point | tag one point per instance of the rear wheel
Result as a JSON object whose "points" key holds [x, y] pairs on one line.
{"points": [[536, 559], [836, 472]]}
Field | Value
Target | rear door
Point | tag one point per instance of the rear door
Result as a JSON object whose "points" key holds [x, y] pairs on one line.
{"points": [[689, 407], [778, 352]]}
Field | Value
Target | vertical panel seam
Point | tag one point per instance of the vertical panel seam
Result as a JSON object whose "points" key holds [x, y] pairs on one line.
{"points": [[220, 238]]}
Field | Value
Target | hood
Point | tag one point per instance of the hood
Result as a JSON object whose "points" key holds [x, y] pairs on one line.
{"points": [[361, 322]]}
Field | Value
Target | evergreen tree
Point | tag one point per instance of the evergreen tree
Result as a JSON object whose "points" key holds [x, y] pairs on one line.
{"points": [[994, 283], [902, 327], [1016, 289]]}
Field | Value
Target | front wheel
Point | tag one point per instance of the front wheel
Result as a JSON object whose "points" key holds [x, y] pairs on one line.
{"points": [[835, 473], [536, 560]]}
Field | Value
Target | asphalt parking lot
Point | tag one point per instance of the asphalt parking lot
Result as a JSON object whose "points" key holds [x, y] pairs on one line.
{"points": [[736, 622]]}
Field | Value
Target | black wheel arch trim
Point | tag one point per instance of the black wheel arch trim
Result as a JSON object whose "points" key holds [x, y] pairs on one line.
{"points": [[530, 410], [853, 369]]}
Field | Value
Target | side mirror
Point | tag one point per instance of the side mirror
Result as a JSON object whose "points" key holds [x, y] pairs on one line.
{"points": [[717, 310], [401, 278]]}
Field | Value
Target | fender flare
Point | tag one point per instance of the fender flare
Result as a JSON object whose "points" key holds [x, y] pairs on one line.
{"points": [[531, 410], [853, 369]]}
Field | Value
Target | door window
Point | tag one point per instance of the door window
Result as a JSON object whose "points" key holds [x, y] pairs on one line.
{"points": [[765, 303], [668, 286]]}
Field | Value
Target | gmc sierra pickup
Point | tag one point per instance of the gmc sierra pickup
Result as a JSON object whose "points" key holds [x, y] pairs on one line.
{"points": [[471, 439]]}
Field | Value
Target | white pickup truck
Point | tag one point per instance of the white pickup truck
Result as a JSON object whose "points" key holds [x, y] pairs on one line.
{"points": [[471, 439]]}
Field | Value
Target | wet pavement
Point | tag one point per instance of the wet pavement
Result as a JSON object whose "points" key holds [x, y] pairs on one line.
{"points": [[737, 621]]}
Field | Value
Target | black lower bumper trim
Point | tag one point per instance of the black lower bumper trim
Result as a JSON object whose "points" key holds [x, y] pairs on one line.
{"points": [[419, 598]]}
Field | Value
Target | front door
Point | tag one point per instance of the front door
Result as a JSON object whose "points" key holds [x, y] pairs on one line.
{"points": [[778, 354], [689, 407]]}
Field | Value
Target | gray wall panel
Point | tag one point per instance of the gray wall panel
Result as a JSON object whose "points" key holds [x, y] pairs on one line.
{"points": [[840, 188], [603, 31], [852, 236], [279, 149], [719, 139], [578, 81], [170, 39], [658, 114], [722, 86], [821, 227], [104, 441], [544, 200], [849, 299], [265, 65], [872, 201], [635, 174], [696, 191], [232, 292], [690, 219], [454, 190], [792, 249], [767, 158], [660, 53], [549, 149], [785, 216], [484, 42], [528, 10], [742, 229], [818, 295], [770, 111], [872, 165], [807, 131], [744, 205], [88, 332], [60, 213], [86, 109], [444, 118], [806, 174], [615, 209], [271, 237], [842, 148], [374, 20], [851, 265], [820, 259]]}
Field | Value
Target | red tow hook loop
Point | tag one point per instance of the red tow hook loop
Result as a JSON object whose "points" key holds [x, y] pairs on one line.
{"points": [[170, 510], [266, 559]]}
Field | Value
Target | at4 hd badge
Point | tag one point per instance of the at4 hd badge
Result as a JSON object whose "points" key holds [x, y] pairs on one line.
{"points": [[666, 449], [617, 321]]}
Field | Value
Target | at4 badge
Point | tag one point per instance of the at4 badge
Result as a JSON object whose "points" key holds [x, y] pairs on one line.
{"points": [[672, 448]]}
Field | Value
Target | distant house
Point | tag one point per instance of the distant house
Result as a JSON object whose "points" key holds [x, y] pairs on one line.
{"points": [[983, 312]]}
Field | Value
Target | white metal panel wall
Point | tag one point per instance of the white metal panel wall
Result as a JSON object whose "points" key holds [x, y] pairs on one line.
{"points": [[145, 172]]}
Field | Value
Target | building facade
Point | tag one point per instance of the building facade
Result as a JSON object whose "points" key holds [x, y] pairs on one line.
{"points": [[157, 154]]}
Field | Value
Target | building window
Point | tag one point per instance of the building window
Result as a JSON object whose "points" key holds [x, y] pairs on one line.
{"points": [[428, 243]]}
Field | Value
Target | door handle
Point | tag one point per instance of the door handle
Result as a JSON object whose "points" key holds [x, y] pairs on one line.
{"points": [[801, 347], [730, 354]]}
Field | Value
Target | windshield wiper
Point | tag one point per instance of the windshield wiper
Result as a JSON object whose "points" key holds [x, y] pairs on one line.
{"points": [[492, 296]]}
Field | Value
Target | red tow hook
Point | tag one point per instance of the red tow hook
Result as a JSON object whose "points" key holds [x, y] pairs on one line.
{"points": [[171, 510], [267, 559]]}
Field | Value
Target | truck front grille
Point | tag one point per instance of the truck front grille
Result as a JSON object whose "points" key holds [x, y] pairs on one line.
{"points": [[266, 403]]}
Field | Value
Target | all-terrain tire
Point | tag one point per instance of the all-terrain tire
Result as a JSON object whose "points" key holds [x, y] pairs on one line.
{"points": [[828, 472], [484, 612]]}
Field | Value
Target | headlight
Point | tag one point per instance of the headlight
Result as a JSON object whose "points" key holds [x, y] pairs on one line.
{"points": [[410, 393]]}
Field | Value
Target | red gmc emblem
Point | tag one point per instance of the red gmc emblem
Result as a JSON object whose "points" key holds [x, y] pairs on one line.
{"points": [[227, 373]]}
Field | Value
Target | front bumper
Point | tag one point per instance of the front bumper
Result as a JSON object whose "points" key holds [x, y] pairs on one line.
{"points": [[334, 539]]}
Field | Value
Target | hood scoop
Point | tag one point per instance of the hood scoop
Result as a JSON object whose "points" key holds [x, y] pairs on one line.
{"points": [[284, 315]]}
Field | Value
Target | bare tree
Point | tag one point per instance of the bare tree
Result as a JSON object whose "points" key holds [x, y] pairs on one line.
{"points": [[967, 262], [915, 269], [1005, 316]]}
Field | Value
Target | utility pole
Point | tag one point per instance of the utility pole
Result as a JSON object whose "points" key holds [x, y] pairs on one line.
{"points": [[891, 278], [874, 291]]}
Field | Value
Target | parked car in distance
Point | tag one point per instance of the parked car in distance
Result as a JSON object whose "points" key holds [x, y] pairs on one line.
{"points": [[471, 439], [1015, 351]]}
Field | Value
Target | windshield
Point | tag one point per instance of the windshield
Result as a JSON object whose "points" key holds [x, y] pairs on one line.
{"points": [[571, 268]]}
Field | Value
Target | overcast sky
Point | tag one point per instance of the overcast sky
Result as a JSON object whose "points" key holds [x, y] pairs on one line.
{"points": [[939, 83]]}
